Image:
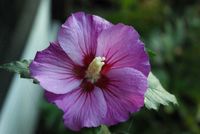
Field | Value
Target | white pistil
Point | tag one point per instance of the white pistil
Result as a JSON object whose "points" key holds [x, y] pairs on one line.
{"points": [[94, 69]]}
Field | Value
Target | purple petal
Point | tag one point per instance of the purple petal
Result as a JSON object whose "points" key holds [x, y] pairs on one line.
{"points": [[54, 70], [82, 109], [124, 94], [52, 98], [121, 47], [78, 35]]}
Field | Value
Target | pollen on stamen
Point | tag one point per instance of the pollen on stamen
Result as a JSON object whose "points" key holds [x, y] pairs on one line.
{"points": [[94, 69]]}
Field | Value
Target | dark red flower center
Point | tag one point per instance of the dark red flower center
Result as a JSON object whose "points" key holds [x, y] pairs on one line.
{"points": [[92, 73]]}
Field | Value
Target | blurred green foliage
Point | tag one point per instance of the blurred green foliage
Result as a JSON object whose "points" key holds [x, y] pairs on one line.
{"points": [[171, 29]]}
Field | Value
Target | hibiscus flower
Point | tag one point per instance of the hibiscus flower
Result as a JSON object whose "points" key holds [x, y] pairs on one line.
{"points": [[95, 72]]}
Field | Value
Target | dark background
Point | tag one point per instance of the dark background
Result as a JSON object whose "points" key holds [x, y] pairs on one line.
{"points": [[171, 28]]}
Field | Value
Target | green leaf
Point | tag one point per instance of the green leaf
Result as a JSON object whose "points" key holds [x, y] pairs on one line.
{"points": [[92, 130], [21, 67], [157, 95], [96, 130], [104, 130], [151, 53]]}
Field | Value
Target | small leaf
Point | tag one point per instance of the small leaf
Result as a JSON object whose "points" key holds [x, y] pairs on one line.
{"points": [[104, 130], [21, 67], [92, 130], [156, 94], [96, 130], [151, 53]]}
